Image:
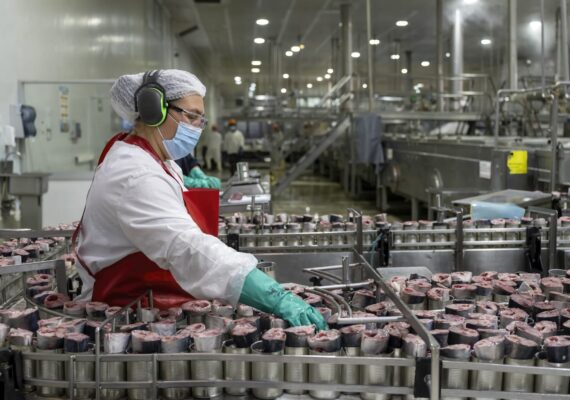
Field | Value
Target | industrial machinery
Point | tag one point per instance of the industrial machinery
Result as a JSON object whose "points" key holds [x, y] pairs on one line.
{"points": [[394, 329], [246, 190]]}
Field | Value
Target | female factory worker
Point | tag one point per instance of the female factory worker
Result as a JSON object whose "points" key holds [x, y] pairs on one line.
{"points": [[137, 230]]}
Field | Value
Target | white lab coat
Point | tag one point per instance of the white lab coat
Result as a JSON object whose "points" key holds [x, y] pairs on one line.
{"points": [[134, 205], [214, 151], [233, 141]]}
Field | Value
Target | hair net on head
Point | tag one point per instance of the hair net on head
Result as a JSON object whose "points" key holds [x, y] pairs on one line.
{"points": [[176, 83]]}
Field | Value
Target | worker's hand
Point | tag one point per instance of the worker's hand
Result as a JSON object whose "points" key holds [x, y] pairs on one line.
{"points": [[210, 182], [265, 294], [195, 183]]}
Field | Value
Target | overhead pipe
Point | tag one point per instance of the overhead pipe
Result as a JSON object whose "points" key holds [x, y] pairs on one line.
{"points": [[439, 55], [542, 56], [346, 49], [513, 73], [564, 74], [370, 64], [457, 58]]}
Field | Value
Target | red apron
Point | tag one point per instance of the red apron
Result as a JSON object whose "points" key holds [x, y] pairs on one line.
{"points": [[123, 281]]}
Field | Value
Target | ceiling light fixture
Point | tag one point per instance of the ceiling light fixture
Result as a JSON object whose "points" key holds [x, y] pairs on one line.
{"points": [[374, 42], [395, 57], [330, 71], [289, 53], [425, 63], [259, 40], [404, 71], [535, 25], [309, 85], [486, 42], [327, 76], [364, 86], [447, 55], [319, 78], [401, 23], [355, 54], [285, 76], [262, 21], [295, 49], [256, 63], [283, 90], [255, 70]]}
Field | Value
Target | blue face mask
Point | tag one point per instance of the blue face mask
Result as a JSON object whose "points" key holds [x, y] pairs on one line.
{"points": [[184, 141]]}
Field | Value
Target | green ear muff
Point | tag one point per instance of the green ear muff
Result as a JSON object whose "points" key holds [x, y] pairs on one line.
{"points": [[150, 100]]}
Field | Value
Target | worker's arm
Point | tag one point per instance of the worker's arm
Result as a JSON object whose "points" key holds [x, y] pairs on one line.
{"points": [[152, 215]]}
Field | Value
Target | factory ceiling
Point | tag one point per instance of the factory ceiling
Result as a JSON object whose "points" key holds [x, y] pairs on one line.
{"points": [[226, 29]]}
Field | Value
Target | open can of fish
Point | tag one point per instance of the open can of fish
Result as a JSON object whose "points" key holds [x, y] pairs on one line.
{"points": [[138, 371], [376, 375], [50, 370], [551, 384], [519, 382], [324, 374], [236, 370], [112, 371], [486, 380], [267, 372], [350, 373], [207, 370], [296, 373]]}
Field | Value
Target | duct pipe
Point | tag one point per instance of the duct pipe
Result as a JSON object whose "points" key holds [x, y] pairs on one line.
{"points": [[542, 57], [346, 27], [439, 55], [457, 57], [564, 73], [513, 74], [370, 65]]}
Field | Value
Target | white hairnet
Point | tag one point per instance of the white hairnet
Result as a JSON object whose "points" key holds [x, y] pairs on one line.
{"points": [[176, 83]]}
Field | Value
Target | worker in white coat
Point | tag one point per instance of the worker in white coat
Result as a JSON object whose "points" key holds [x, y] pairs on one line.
{"points": [[234, 143], [214, 152], [141, 230]]}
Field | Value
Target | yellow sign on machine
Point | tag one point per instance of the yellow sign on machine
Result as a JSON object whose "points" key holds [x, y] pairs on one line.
{"points": [[518, 162]]}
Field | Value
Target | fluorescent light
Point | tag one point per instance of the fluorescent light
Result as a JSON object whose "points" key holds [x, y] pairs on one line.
{"points": [[404, 71], [535, 25], [447, 55], [395, 57], [309, 85], [402, 23], [486, 42], [255, 70], [237, 78], [355, 54], [374, 42], [256, 63], [327, 76], [262, 21], [295, 49], [364, 86], [425, 63], [330, 71], [285, 76], [319, 78], [259, 40], [289, 53], [283, 90]]}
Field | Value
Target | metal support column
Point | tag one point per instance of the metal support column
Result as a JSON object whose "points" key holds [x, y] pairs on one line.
{"points": [[457, 57], [370, 64], [409, 80], [564, 75], [542, 56], [513, 74], [346, 49], [554, 140], [439, 55]]}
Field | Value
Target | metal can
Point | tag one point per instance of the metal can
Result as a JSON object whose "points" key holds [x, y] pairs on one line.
{"points": [[486, 380], [350, 373], [50, 370], [138, 371], [324, 374], [178, 370], [84, 372], [293, 227], [425, 226], [206, 370], [350, 228], [268, 372], [410, 237], [440, 237], [498, 223], [338, 239], [454, 379], [519, 382], [512, 223], [375, 375], [296, 373], [264, 239], [551, 384], [112, 371], [268, 267], [483, 224], [236, 370], [276, 229], [248, 229]]}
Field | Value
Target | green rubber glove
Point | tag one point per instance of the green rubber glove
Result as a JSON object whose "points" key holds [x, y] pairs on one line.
{"points": [[265, 294], [195, 183], [214, 183], [197, 173]]}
